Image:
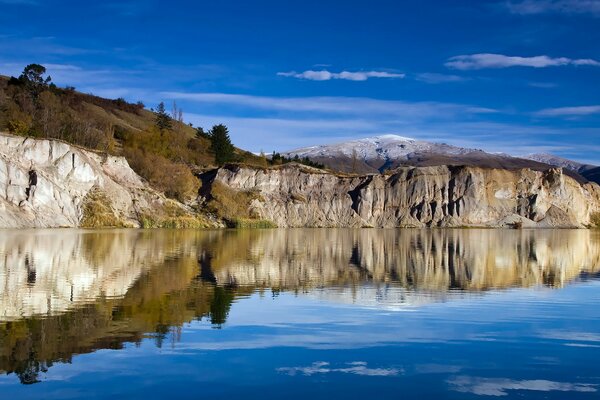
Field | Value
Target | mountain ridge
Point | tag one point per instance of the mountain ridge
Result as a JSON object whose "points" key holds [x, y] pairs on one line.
{"points": [[385, 152]]}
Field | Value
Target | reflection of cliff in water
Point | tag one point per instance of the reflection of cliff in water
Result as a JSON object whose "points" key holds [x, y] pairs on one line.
{"points": [[435, 260], [69, 292]]}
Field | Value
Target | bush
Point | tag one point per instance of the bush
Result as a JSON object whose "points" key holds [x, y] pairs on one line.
{"points": [[18, 126], [98, 212], [231, 204]]}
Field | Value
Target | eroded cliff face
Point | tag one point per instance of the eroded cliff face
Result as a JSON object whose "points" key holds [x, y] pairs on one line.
{"points": [[295, 196], [66, 176]]}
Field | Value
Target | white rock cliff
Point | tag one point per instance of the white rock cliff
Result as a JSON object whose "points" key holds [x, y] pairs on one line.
{"points": [[295, 196], [65, 176]]}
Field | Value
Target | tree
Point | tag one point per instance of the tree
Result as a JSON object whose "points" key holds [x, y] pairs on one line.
{"points": [[163, 121], [201, 133], [33, 78], [221, 145]]}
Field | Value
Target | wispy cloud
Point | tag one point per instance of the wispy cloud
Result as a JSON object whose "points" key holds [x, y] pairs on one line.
{"points": [[490, 60], [325, 75], [431, 77], [337, 105], [530, 7], [577, 111]]}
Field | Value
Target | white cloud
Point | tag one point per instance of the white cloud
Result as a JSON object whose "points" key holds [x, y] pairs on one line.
{"points": [[530, 7], [489, 60], [578, 111], [324, 75], [500, 386]]}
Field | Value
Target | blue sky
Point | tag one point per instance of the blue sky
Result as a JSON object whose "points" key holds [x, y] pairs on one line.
{"points": [[512, 76]]}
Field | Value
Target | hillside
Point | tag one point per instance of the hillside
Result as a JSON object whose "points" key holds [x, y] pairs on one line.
{"points": [[32, 106]]}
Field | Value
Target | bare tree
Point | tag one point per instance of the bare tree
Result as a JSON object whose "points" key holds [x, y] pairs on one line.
{"points": [[174, 111]]}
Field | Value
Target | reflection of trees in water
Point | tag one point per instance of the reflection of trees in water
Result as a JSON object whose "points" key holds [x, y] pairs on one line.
{"points": [[198, 275]]}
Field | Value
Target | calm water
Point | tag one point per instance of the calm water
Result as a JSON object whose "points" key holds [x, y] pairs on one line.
{"points": [[300, 314]]}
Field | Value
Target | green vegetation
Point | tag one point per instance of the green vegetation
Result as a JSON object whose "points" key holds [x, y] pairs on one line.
{"points": [[163, 121], [278, 159], [220, 144]]}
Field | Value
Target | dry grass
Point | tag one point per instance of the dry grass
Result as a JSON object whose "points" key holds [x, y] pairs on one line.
{"points": [[172, 216], [231, 204], [243, 223], [98, 212], [235, 207]]}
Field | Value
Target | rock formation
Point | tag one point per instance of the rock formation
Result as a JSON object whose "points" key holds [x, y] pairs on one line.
{"points": [[445, 196], [67, 178], [48, 183]]}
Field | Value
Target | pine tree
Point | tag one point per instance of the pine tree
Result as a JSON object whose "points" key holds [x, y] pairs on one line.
{"points": [[221, 144], [163, 121], [33, 78]]}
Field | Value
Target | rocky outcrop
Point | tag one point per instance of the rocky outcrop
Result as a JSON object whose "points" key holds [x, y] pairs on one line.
{"points": [[297, 196], [73, 186], [66, 178]]}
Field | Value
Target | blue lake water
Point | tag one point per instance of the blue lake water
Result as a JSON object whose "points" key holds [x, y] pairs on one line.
{"points": [[300, 313]]}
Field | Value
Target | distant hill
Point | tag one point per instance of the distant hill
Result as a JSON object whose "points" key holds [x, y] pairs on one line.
{"points": [[385, 152]]}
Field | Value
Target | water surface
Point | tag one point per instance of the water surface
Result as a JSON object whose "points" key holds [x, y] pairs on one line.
{"points": [[300, 313]]}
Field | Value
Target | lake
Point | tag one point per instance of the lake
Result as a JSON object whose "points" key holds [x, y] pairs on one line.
{"points": [[300, 314]]}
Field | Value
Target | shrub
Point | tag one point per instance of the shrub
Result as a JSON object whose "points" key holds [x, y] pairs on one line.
{"points": [[98, 211], [231, 204], [18, 126]]}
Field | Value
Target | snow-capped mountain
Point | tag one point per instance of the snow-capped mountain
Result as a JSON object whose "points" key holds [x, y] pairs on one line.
{"points": [[385, 147], [379, 153], [384, 152], [557, 161]]}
